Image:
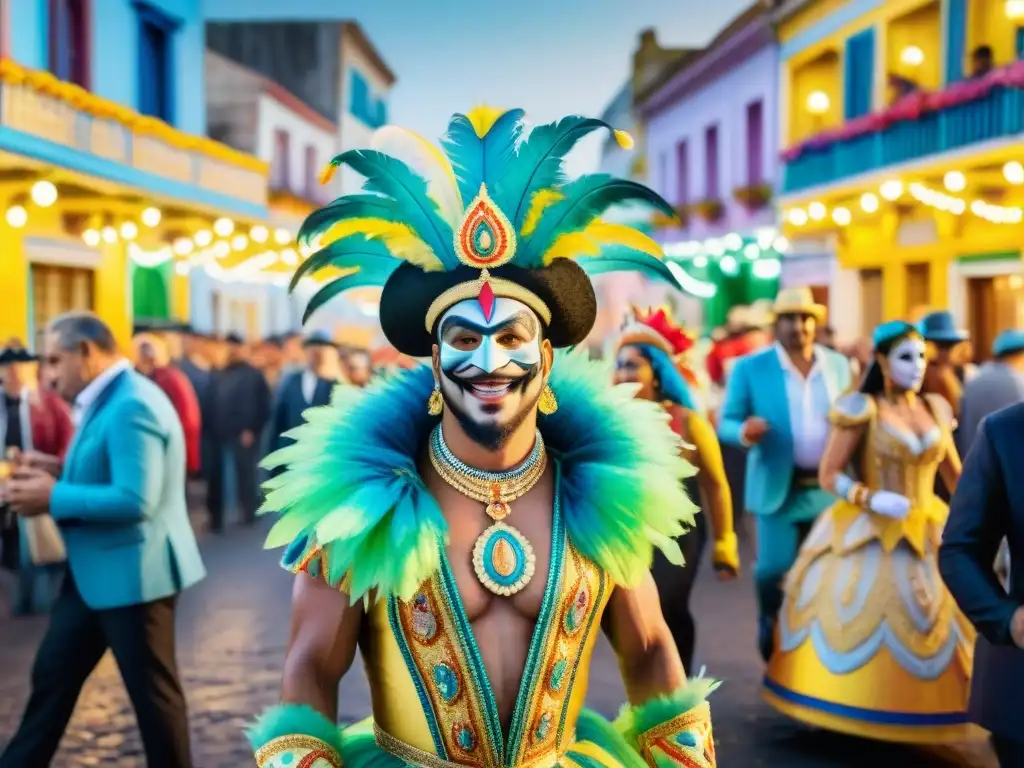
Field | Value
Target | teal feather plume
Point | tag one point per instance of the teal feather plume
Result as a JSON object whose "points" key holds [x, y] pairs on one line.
{"points": [[371, 256], [539, 164], [291, 719], [584, 199], [484, 160], [367, 277], [349, 207], [351, 486], [387, 176], [619, 258]]}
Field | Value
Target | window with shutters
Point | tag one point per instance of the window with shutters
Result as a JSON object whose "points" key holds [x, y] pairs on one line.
{"points": [[860, 74], [280, 165], [682, 174], [156, 62], [712, 190], [69, 40], [755, 143]]}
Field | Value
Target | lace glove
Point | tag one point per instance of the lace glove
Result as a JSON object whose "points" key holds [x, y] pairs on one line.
{"points": [[889, 504], [673, 730], [290, 735]]}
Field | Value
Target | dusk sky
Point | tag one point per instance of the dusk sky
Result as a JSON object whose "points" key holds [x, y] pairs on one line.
{"points": [[550, 57]]}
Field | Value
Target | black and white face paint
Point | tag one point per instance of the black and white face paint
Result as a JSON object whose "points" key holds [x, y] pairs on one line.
{"points": [[490, 359], [907, 364]]}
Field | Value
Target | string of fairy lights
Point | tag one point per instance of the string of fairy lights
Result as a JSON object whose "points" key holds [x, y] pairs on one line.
{"points": [[951, 199], [259, 246], [696, 262]]}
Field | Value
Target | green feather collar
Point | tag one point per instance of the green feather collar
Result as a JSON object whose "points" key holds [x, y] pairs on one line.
{"points": [[354, 508]]}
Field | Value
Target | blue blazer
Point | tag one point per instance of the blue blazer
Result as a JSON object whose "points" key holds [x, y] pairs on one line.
{"points": [[120, 502], [757, 387]]}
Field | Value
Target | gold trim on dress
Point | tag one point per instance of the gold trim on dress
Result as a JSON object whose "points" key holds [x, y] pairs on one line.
{"points": [[417, 757], [293, 741], [697, 721]]}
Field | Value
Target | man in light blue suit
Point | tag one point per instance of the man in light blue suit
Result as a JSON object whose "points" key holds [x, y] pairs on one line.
{"points": [[119, 502], [777, 404]]}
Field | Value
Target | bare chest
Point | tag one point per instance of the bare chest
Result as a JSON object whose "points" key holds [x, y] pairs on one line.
{"points": [[473, 552]]}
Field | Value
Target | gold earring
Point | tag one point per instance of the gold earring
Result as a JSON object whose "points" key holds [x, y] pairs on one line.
{"points": [[548, 403], [436, 403]]}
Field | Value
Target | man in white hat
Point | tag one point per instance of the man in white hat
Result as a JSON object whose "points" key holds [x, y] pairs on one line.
{"points": [[777, 403]]}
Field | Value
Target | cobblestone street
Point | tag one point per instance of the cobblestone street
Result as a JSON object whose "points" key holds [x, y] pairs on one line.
{"points": [[232, 632]]}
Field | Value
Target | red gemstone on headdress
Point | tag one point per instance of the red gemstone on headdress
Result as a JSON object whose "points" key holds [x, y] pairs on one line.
{"points": [[486, 299]]}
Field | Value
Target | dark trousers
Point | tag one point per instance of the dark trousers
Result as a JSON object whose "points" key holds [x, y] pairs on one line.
{"points": [[245, 465], [1009, 752], [675, 585], [141, 638]]}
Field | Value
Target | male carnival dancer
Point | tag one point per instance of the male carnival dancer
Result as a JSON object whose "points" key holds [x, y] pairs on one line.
{"points": [[777, 403], [471, 526]]}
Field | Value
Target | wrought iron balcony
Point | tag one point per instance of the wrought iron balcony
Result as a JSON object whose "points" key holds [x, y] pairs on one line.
{"points": [[916, 127]]}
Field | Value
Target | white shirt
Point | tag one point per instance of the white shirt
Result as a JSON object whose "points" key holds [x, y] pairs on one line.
{"points": [[309, 380], [810, 400], [95, 388]]}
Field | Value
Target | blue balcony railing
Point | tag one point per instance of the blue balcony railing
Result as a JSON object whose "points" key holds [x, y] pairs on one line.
{"points": [[998, 114]]}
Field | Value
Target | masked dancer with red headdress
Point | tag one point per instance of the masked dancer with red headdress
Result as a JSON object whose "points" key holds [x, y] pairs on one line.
{"points": [[651, 356]]}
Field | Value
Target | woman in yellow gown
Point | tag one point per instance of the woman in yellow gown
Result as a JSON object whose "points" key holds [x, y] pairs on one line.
{"points": [[870, 641]]}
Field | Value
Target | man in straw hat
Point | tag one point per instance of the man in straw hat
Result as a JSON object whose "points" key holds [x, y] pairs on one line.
{"points": [[777, 404]]}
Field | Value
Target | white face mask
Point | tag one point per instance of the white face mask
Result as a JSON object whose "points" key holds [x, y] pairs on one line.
{"points": [[491, 365], [472, 343], [907, 364]]}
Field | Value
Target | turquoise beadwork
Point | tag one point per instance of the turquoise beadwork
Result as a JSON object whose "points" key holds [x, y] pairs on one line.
{"points": [[466, 739], [577, 611], [447, 682], [483, 239], [506, 570], [543, 727]]}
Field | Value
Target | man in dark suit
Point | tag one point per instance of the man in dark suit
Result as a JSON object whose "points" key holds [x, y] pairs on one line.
{"points": [[119, 502], [988, 506], [304, 389]]}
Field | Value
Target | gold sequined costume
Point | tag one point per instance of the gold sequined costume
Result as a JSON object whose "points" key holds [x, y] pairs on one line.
{"points": [[869, 641]]}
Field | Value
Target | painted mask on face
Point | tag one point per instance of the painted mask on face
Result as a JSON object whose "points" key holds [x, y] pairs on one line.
{"points": [[491, 366], [907, 364]]}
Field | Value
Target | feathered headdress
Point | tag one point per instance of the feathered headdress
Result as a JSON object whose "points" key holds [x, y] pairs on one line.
{"points": [[492, 215], [655, 327]]}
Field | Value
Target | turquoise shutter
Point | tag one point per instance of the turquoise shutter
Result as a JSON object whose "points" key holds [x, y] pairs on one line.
{"points": [[956, 41], [859, 74]]}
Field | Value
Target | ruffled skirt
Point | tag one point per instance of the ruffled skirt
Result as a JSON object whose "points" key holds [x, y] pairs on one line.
{"points": [[869, 640]]}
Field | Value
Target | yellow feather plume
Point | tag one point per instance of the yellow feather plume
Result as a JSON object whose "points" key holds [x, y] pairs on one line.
{"points": [[427, 161], [398, 238], [599, 235], [538, 203], [483, 118], [623, 139]]}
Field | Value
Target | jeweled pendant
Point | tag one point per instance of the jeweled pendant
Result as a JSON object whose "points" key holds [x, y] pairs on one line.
{"points": [[503, 560]]}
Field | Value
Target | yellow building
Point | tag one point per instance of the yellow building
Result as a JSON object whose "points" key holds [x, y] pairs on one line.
{"points": [[100, 204], [900, 135]]}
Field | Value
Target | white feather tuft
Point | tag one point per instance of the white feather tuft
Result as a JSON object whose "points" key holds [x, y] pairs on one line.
{"points": [[427, 161]]}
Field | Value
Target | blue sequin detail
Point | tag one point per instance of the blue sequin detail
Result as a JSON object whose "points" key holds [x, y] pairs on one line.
{"points": [[447, 682], [286, 758], [686, 739], [518, 551], [467, 741]]}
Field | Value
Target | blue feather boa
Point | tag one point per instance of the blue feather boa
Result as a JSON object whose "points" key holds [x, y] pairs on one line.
{"points": [[354, 507]]}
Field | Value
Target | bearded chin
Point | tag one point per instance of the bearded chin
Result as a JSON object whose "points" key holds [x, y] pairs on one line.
{"points": [[491, 436]]}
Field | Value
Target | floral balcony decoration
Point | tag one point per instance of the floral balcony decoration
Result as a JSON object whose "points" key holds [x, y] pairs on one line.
{"points": [[753, 197], [709, 210], [914, 107]]}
